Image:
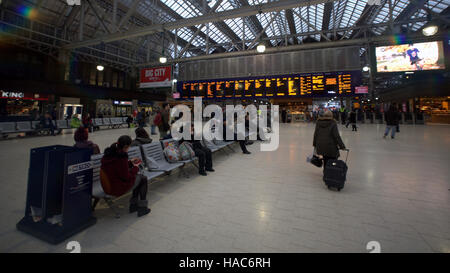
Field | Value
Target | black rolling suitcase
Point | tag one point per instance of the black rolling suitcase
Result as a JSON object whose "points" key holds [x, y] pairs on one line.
{"points": [[335, 173]]}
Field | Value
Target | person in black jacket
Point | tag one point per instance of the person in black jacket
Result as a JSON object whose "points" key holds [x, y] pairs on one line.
{"points": [[203, 153], [327, 140], [391, 117], [352, 120]]}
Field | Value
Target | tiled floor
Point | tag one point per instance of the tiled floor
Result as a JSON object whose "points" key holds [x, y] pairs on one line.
{"points": [[397, 193]]}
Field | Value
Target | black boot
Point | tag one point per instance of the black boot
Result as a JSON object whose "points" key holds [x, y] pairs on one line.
{"points": [[133, 204], [142, 208], [202, 173]]}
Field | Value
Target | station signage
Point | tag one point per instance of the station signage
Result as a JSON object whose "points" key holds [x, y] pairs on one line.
{"points": [[156, 77], [116, 102], [22, 95], [361, 90]]}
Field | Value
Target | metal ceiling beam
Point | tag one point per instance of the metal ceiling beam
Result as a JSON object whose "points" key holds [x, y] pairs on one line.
{"points": [[252, 20], [368, 14], [311, 26], [166, 9], [362, 41], [215, 17], [326, 16], [291, 23], [130, 12], [221, 26]]}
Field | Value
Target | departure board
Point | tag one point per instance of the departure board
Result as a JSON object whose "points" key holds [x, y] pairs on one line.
{"points": [[301, 85], [249, 88], [271, 87], [294, 86], [239, 88], [260, 87], [220, 89], [211, 89], [282, 87], [229, 89]]}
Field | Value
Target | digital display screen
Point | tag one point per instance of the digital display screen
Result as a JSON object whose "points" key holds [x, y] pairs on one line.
{"points": [[260, 87], [309, 85], [294, 86], [249, 88], [239, 88], [282, 87], [220, 89], [410, 57], [229, 89], [271, 87]]}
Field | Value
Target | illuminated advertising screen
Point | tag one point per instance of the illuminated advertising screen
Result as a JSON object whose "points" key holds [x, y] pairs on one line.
{"points": [[410, 57]]}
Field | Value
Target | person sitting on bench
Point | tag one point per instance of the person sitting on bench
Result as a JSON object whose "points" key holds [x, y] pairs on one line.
{"points": [[142, 137], [241, 142], [122, 175], [81, 140], [203, 153], [47, 123]]}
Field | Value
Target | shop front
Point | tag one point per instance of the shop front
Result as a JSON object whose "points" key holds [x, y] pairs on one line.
{"points": [[69, 107], [122, 108], [147, 106], [16, 106], [435, 109]]}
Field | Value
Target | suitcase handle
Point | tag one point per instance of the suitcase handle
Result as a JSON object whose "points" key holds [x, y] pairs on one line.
{"points": [[348, 151]]}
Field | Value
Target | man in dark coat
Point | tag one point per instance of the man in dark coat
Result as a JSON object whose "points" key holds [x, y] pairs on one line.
{"points": [[327, 140], [391, 117]]}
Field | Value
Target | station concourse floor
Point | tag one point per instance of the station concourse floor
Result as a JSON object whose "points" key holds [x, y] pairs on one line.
{"points": [[397, 193]]}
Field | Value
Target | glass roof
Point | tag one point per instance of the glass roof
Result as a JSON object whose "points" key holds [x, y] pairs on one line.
{"points": [[306, 19]]}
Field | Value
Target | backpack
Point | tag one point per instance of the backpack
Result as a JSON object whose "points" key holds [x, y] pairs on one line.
{"points": [[186, 151], [172, 153], [158, 119]]}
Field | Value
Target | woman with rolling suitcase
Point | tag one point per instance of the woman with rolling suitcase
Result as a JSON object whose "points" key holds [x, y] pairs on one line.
{"points": [[327, 143]]}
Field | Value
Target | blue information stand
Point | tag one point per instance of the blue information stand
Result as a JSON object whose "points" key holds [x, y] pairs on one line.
{"points": [[59, 193]]}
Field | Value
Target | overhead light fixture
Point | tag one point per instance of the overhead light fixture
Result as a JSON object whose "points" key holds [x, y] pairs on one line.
{"points": [[261, 48], [163, 59], [430, 30], [175, 81], [100, 67], [366, 68]]}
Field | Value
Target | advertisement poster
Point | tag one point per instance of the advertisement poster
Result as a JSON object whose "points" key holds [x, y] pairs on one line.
{"points": [[156, 77]]}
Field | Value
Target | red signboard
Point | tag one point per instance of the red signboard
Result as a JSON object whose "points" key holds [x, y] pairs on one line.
{"points": [[361, 89], [156, 77], [22, 96]]}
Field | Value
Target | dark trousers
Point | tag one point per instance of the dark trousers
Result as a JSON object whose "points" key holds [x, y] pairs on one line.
{"points": [[140, 189], [204, 158], [242, 144]]}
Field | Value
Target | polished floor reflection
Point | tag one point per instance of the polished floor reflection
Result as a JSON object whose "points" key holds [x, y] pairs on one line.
{"points": [[397, 193]]}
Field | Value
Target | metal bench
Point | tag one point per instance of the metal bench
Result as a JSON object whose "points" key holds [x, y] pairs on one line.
{"points": [[107, 122], [24, 127], [166, 142], [116, 122], [62, 124], [155, 151], [97, 189], [7, 128]]}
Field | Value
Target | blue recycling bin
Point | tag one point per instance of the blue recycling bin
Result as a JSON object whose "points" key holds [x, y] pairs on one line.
{"points": [[59, 193]]}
